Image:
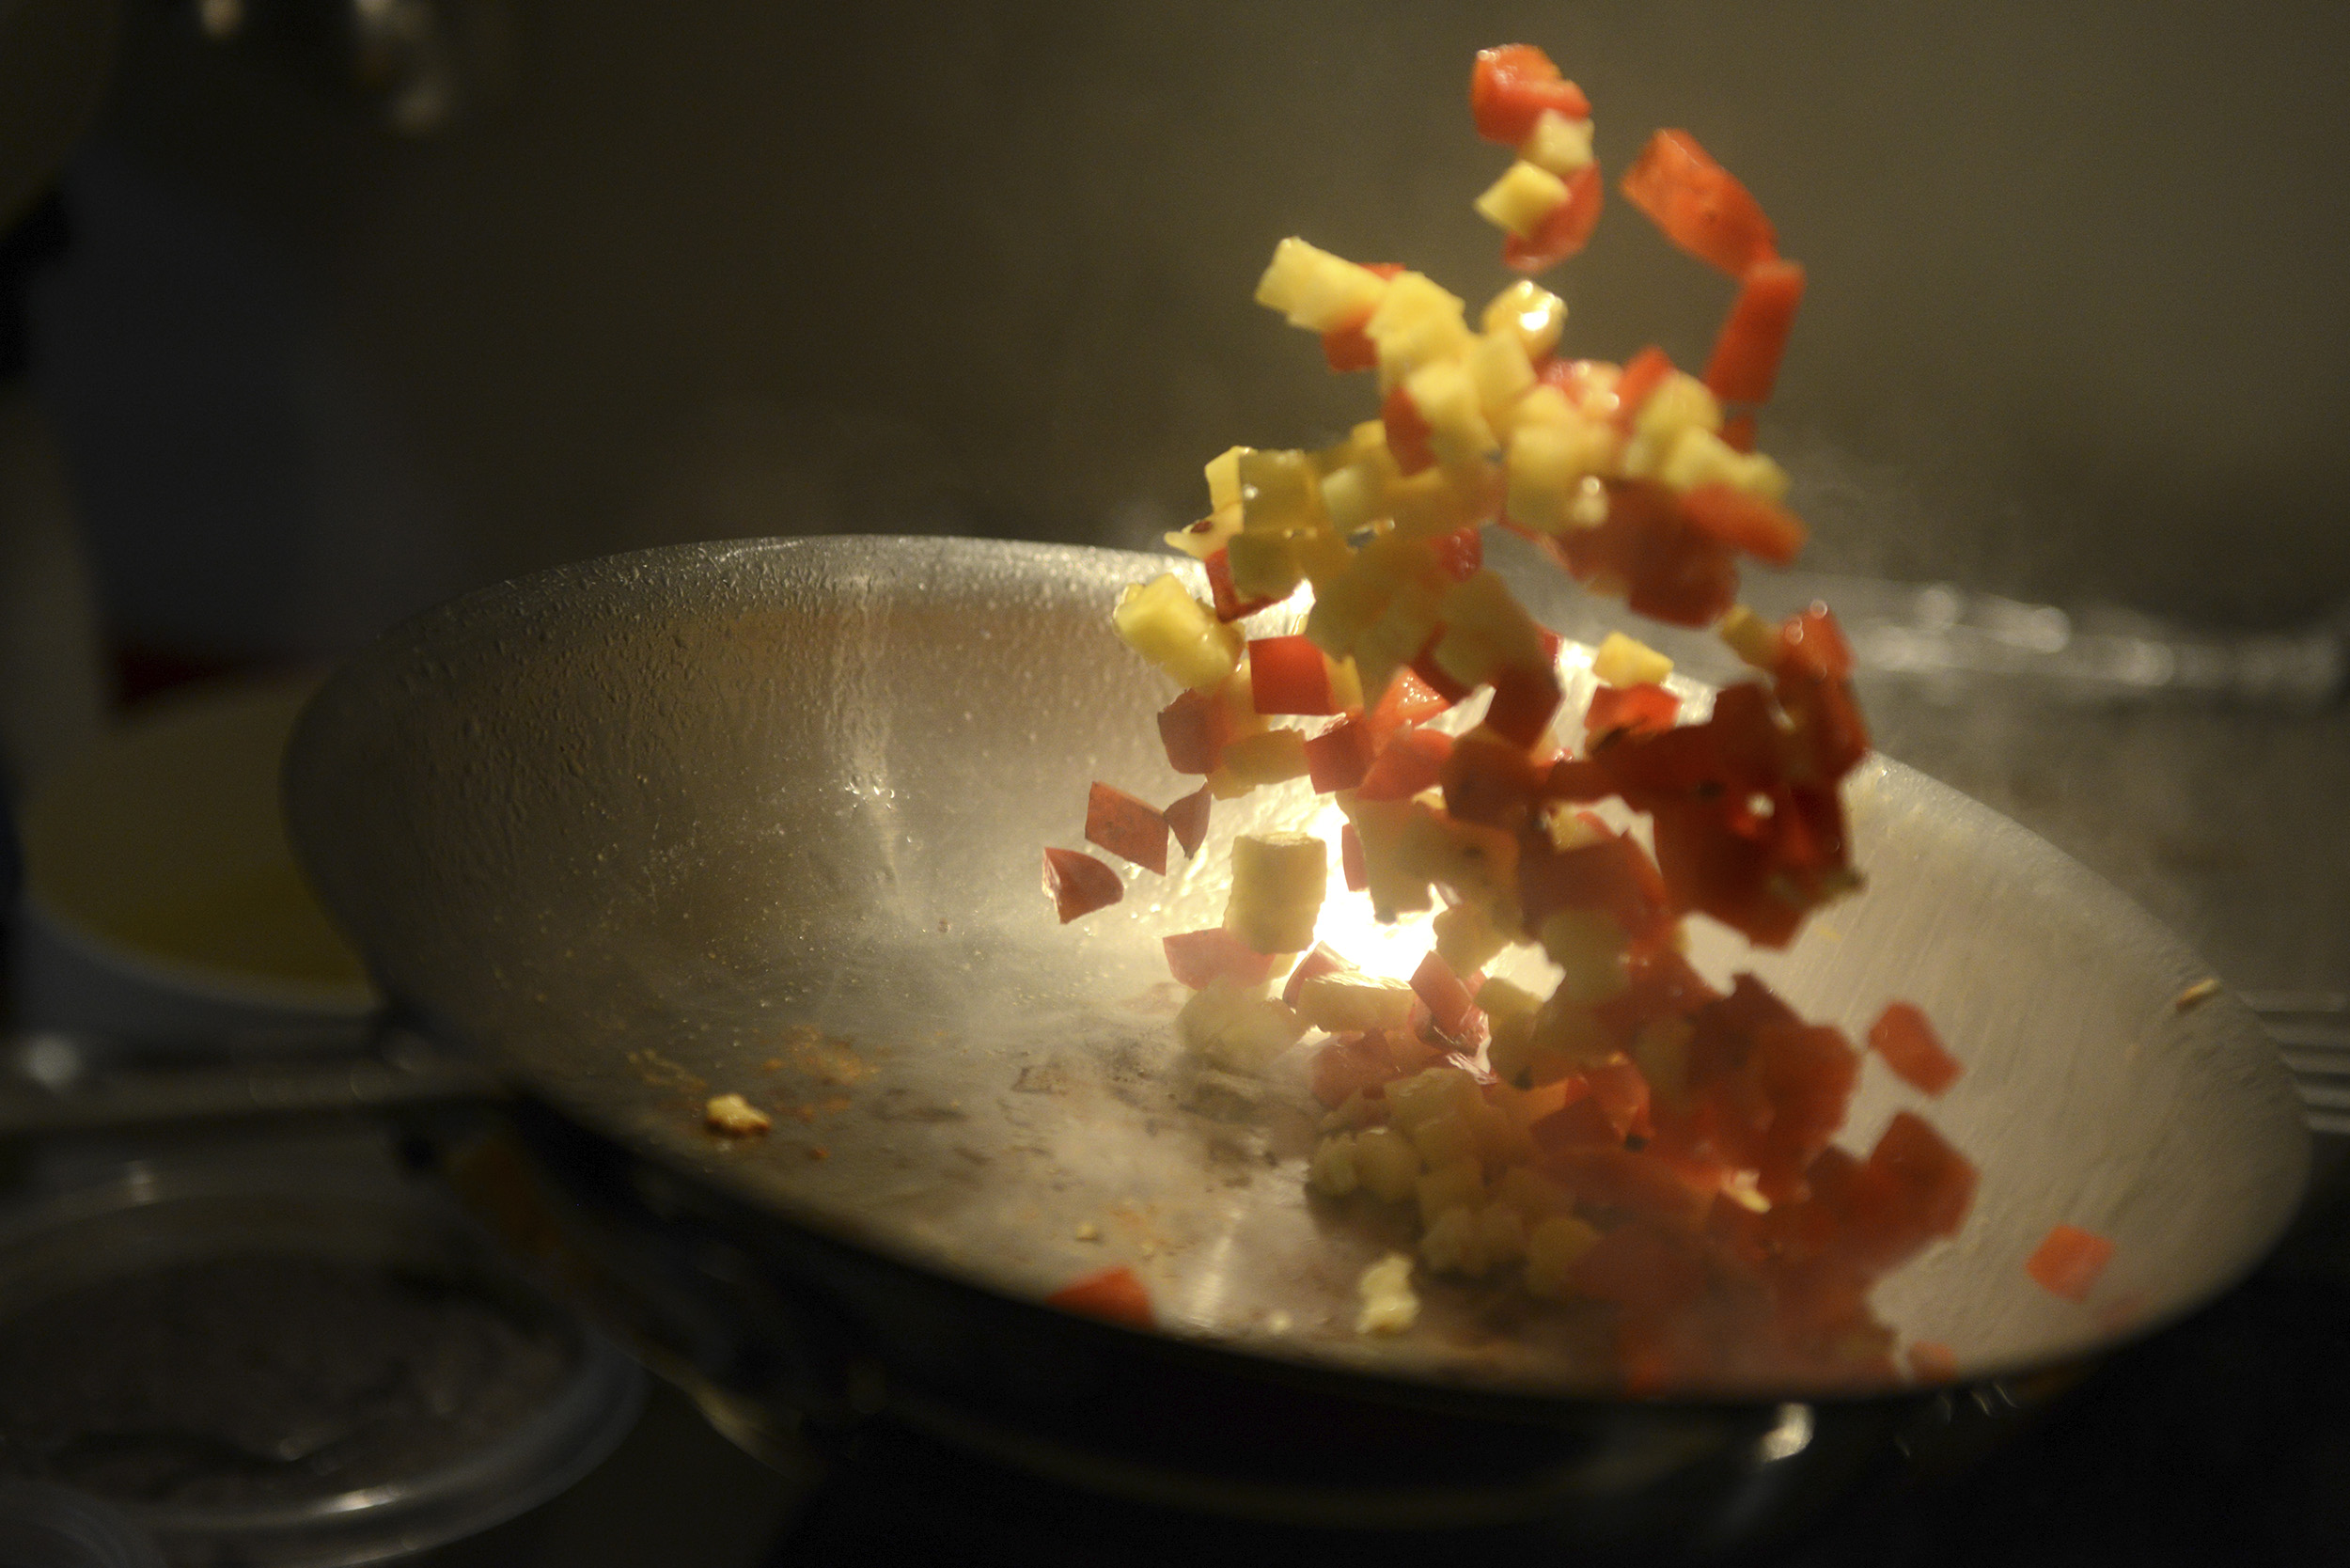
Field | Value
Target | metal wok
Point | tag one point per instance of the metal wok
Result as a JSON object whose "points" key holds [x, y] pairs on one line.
{"points": [[765, 818]]}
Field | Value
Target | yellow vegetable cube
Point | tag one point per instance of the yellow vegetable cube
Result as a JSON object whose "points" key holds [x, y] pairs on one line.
{"points": [[1385, 1290], [1447, 398], [1549, 464], [1279, 493], [1386, 1163], [1348, 1001], [1552, 1248], [1263, 566], [1417, 323], [1355, 497], [1277, 885], [1486, 631], [1426, 1095], [1467, 938], [1267, 757], [1558, 143], [1201, 543], [1529, 312], [1162, 622], [1223, 471], [1456, 1181], [1622, 661], [1590, 948], [1524, 196], [1332, 1168], [1501, 374], [1445, 1140], [1754, 639], [1316, 290], [1237, 1028]]}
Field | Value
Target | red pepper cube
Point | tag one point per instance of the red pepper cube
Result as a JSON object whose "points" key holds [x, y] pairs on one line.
{"points": [[1129, 828], [1412, 762], [1906, 1041], [1739, 433], [1763, 529], [1187, 819], [1349, 348], [1698, 204], [1196, 958], [1194, 728], [1339, 757], [1351, 863], [1621, 1094], [1113, 1295], [1490, 783], [1407, 701], [1407, 431], [1460, 555], [1812, 646], [1229, 605], [1288, 676], [1564, 231], [1510, 89], [1078, 885], [1432, 674], [2068, 1260], [1646, 709], [1932, 1183], [1744, 363], [1524, 703], [1450, 1006]]}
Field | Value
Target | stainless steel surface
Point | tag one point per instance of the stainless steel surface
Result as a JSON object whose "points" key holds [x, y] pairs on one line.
{"points": [[765, 817]]}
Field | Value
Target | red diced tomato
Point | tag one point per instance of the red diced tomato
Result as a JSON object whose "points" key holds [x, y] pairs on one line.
{"points": [[1642, 374], [1412, 762], [1490, 783], [1339, 757], [1448, 1003], [1078, 885], [1697, 204], [1523, 702], [1114, 1293], [1288, 675], [1194, 728], [1229, 603], [1129, 828], [2068, 1260], [1322, 961], [1352, 867], [1745, 357], [1810, 644], [1196, 958], [1407, 431], [1763, 529], [1461, 554], [1564, 231], [1509, 88], [1187, 819], [1906, 1041], [1642, 710]]}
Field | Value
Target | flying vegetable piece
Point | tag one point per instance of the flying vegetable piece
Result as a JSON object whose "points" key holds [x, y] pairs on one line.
{"points": [[1078, 885], [1129, 828], [1115, 1295]]}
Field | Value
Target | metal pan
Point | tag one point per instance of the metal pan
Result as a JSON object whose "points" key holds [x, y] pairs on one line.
{"points": [[765, 818]]}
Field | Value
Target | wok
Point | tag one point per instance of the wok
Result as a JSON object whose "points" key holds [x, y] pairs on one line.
{"points": [[765, 817]]}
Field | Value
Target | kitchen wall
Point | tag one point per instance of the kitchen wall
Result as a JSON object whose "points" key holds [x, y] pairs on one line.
{"points": [[2075, 328]]}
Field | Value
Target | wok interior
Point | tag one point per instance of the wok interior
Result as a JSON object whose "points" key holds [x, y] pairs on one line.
{"points": [[766, 818]]}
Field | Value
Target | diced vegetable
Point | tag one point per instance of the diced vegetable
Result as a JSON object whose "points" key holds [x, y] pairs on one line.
{"points": [[1115, 1295], [1744, 363], [1187, 819], [1200, 958], [1078, 885], [1288, 675], [2068, 1260], [1277, 885], [1908, 1044], [1129, 828], [1513, 87], [1697, 204]]}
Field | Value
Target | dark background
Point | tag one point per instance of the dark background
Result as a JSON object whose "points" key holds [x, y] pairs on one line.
{"points": [[2076, 330]]}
